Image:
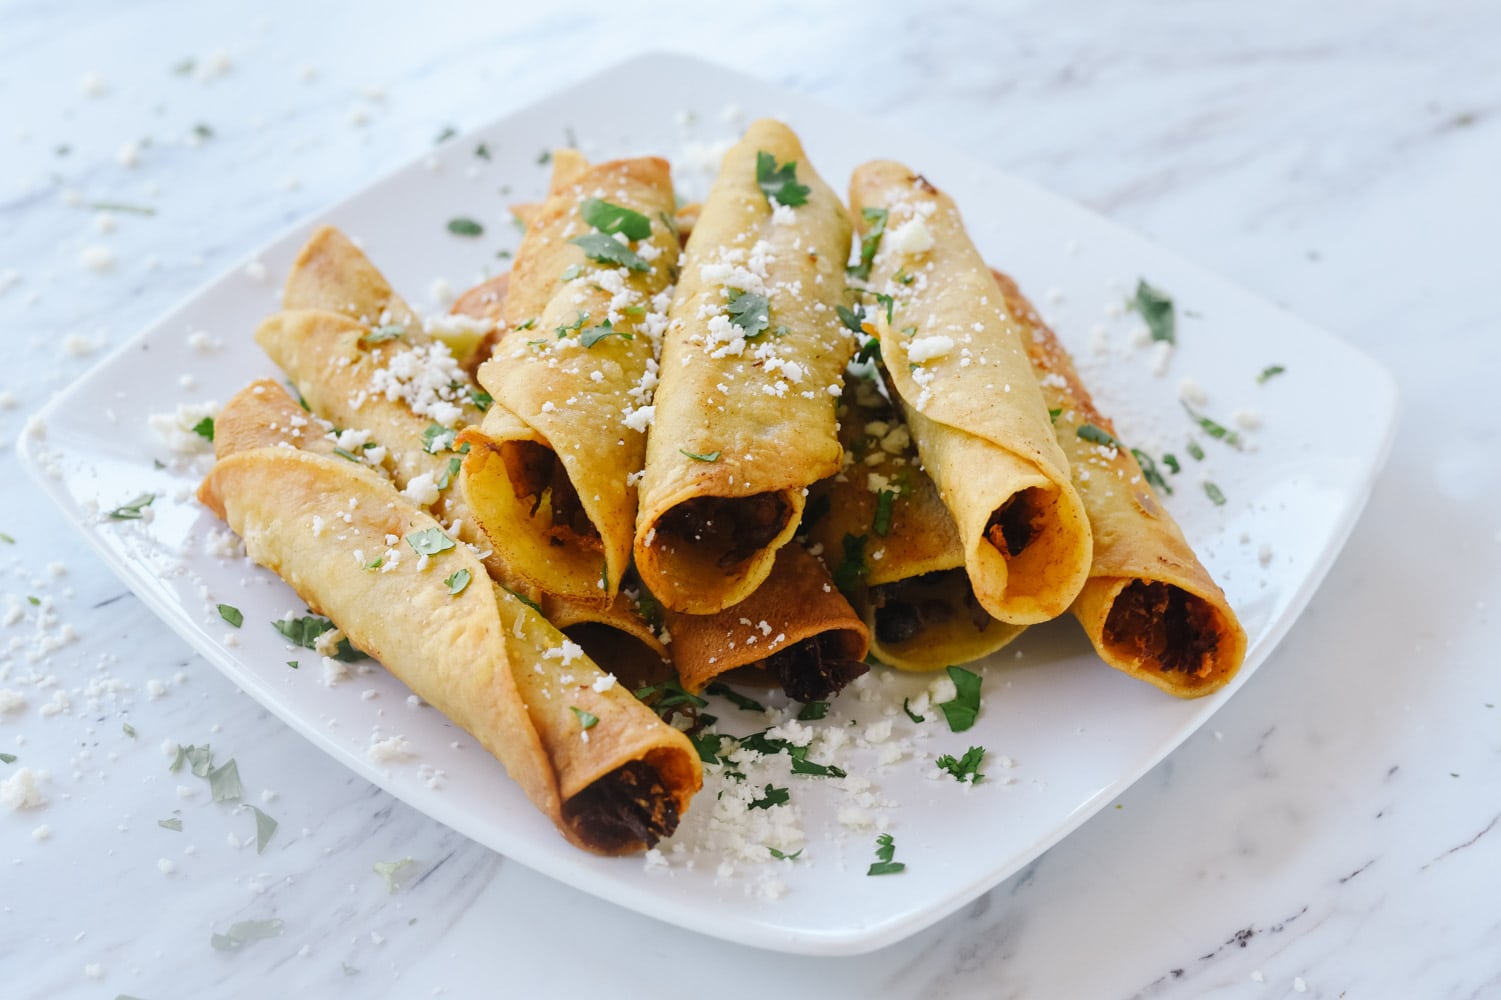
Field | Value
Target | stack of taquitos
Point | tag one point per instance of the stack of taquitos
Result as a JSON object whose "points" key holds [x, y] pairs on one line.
{"points": [[597, 762]]}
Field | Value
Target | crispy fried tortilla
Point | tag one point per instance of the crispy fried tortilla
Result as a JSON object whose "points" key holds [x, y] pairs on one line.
{"points": [[955, 359], [1150, 607], [550, 473], [744, 418], [795, 631], [597, 762], [894, 546]]}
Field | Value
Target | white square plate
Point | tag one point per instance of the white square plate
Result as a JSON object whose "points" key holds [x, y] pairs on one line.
{"points": [[1065, 734]]}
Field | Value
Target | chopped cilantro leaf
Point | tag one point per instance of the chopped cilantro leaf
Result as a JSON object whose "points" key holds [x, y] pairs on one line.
{"points": [[604, 249], [854, 319], [1215, 430], [737, 699], [712, 456], [482, 151], [305, 631], [966, 768], [481, 399], [7, 758], [224, 782], [429, 541], [774, 797], [456, 582], [448, 133], [242, 933], [524, 600], [381, 334], [587, 720], [1195, 451], [802, 765], [578, 324], [1171, 461], [785, 857], [869, 242], [172, 823], [570, 272], [1054, 412], [965, 706], [890, 303], [885, 501], [128, 729], [609, 218], [294, 664], [132, 511], [462, 226], [1271, 371], [907, 707], [850, 573], [1095, 435], [265, 826], [1149, 471], [1156, 308], [885, 851], [749, 311], [231, 614], [345, 453], [438, 438], [205, 428], [7, 539], [595, 334], [780, 184], [869, 351], [1213, 493], [390, 871], [813, 711], [445, 478], [668, 697]]}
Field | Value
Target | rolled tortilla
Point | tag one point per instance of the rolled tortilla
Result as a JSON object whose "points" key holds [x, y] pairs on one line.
{"points": [[1150, 607], [550, 474], [894, 546], [332, 274], [479, 655], [795, 631], [744, 414], [955, 359]]}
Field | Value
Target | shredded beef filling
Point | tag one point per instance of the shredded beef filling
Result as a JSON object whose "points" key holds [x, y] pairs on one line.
{"points": [[814, 669], [1165, 625], [628, 806], [736, 527], [907, 608], [1012, 527], [538, 476]]}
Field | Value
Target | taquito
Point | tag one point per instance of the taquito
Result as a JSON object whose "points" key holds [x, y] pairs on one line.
{"points": [[745, 413], [1149, 607], [795, 631], [955, 359], [893, 545], [550, 473], [593, 759]]}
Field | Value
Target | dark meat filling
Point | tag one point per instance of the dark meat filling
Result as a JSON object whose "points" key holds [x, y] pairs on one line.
{"points": [[737, 527], [1012, 527], [628, 806], [814, 669], [907, 608], [538, 476], [1165, 625]]}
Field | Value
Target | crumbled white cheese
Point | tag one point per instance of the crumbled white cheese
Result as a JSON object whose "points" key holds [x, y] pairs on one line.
{"points": [[20, 790], [926, 348], [910, 237]]}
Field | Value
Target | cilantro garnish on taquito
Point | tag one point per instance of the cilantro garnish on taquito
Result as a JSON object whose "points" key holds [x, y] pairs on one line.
{"points": [[795, 631], [752, 362], [893, 546], [1150, 607], [551, 472], [955, 359]]}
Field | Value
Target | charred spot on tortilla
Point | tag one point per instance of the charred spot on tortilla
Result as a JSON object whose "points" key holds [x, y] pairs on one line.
{"points": [[1013, 526], [735, 527], [815, 669], [1165, 625], [628, 806], [904, 609], [536, 474]]}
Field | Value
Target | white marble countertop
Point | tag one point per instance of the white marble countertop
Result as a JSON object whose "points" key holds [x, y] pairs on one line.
{"points": [[1332, 831]]}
